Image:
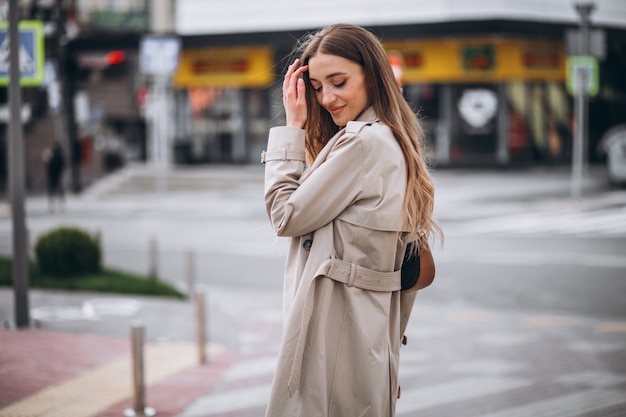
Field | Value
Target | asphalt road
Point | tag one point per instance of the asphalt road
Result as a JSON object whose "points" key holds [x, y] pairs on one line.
{"points": [[526, 316]]}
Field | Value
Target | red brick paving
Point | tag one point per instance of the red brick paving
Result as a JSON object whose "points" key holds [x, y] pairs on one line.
{"points": [[31, 360], [170, 398]]}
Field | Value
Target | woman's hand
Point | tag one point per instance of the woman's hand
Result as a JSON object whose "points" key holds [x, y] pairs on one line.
{"points": [[294, 99]]}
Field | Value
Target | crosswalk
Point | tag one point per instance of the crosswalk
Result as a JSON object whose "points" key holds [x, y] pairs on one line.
{"points": [[505, 367], [605, 222], [425, 399]]}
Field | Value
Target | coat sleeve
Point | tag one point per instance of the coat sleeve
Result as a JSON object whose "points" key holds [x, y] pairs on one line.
{"points": [[298, 207]]}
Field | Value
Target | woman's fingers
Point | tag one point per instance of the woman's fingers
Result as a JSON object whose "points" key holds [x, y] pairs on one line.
{"points": [[290, 83], [290, 71], [289, 76], [294, 94]]}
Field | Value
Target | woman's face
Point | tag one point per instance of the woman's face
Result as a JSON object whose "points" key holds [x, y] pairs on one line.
{"points": [[339, 86]]}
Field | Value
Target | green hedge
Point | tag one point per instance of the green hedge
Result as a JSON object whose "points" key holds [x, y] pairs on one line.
{"points": [[68, 252], [106, 280]]}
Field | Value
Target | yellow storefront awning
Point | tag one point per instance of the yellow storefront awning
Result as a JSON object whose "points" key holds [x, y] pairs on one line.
{"points": [[225, 67], [480, 60]]}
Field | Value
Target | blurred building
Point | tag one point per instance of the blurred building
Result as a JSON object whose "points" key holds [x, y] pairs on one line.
{"points": [[92, 96], [487, 77]]}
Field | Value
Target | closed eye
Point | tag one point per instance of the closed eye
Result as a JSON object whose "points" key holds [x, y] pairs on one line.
{"points": [[337, 85]]}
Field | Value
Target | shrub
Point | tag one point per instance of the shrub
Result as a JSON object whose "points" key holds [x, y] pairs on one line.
{"points": [[68, 251]]}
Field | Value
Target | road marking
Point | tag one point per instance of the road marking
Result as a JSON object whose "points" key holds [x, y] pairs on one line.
{"points": [[571, 405], [587, 346], [506, 339], [461, 390], [612, 327], [609, 221], [535, 259], [487, 366], [595, 379], [228, 401], [252, 368], [550, 321]]}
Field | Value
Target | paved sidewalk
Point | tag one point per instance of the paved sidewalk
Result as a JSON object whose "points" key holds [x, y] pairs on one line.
{"points": [[80, 365], [58, 374], [459, 357]]}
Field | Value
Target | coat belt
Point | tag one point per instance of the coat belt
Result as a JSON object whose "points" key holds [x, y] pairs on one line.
{"points": [[352, 275]]}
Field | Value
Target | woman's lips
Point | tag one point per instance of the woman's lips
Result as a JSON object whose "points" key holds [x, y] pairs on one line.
{"points": [[336, 110]]}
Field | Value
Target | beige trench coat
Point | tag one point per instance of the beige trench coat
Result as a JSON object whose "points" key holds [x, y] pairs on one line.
{"points": [[344, 313]]}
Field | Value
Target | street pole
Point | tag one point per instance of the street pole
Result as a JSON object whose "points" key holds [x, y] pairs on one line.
{"points": [[580, 151], [16, 174], [579, 137]]}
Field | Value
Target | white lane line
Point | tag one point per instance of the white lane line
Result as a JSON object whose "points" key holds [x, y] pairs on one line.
{"points": [[229, 401], [534, 259], [460, 390], [252, 368], [488, 366], [571, 405], [595, 379]]}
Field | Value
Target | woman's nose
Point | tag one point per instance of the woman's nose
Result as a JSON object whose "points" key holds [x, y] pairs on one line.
{"points": [[327, 97]]}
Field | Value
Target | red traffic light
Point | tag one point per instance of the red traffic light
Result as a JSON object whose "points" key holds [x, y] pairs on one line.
{"points": [[115, 57]]}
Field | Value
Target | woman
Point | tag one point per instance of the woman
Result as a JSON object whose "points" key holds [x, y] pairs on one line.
{"points": [[366, 193]]}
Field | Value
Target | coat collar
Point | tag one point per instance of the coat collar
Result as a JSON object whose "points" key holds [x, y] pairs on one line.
{"points": [[368, 115]]}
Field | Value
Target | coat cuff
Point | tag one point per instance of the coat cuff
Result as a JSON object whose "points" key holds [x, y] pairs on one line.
{"points": [[284, 144]]}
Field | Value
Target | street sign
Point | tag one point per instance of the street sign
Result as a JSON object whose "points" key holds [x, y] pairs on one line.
{"points": [[158, 55], [596, 38], [582, 75], [31, 53]]}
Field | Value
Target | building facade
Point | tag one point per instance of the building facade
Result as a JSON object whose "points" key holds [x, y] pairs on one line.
{"points": [[488, 78]]}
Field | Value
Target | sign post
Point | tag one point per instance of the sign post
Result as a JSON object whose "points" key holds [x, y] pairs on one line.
{"points": [[21, 59], [158, 57], [582, 81]]}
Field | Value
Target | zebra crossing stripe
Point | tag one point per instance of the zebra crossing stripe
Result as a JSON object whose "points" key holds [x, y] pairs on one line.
{"points": [[252, 368], [461, 390], [571, 405], [605, 222], [229, 401]]}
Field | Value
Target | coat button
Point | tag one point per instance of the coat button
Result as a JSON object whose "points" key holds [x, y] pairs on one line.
{"points": [[307, 245]]}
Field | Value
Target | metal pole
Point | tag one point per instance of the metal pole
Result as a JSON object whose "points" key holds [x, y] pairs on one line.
{"points": [[580, 146], [577, 152], [139, 391], [584, 128], [154, 259], [159, 131], [16, 174], [191, 272], [200, 327]]}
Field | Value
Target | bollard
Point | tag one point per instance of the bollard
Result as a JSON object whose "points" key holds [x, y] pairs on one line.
{"points": [[200, 327], [154, 259], [139, 400], [191, 272]]}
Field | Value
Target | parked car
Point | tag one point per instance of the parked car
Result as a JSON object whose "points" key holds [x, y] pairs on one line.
{"points": [[614, 144]]}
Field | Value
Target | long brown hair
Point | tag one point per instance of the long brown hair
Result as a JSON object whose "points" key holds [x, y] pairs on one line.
{"points": [[364, 48]]}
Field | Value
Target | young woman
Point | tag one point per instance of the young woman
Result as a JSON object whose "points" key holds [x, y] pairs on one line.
{"points": [[365, 194]]}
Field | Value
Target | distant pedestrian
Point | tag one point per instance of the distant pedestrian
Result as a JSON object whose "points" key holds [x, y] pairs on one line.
{"points": [[55, 163], [365, 195]]}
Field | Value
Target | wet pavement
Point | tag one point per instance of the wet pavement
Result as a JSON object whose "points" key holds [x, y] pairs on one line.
{"points": [[463, 358]]}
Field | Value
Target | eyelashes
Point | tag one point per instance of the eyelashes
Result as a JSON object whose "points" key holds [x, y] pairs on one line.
{"points": [[338, 85]]}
